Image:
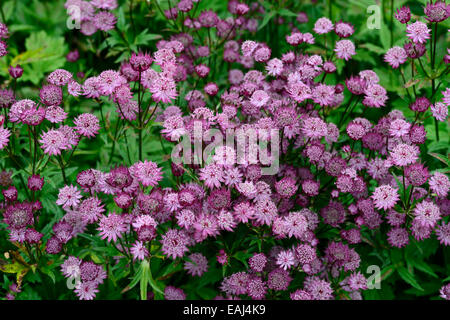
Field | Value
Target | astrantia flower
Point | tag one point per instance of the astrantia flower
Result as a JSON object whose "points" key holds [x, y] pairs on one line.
{"points": [[4, 137], [256, 288], [385, 197], [90, 209], [427, 213], [443, 233], [398, 237], [141, 61], [345, 49], [146, 172], [107, 82], [4, 33], [445, 292], [375, 96], [439, 184], [174, 243], [439, 111], [63, 231], [285, 259], [344, 29], [418, 32], [262, 54], [274, 67], [437, 12], [236, 283], [17, 109], [87, 125], [18, 216], [172, 293], [414, 50], [71, 267], [104, 20], [404, 154], [420, 105], [323, 94], [196, 264], [279, 280], [112, 227], [86, 290], [417, 174], [257, 262], [69, 196], [208, 19], [51, 95], [54, 246], [286, 187], [323, 25], [212, 174], [139, 251], [74, 88], [259, 98], [59, 77], [399, 128], [403, 15], [333, 214], [163, 90], [55, 114], [314, 127], [395, 57], [91, 87], [355, 85]]}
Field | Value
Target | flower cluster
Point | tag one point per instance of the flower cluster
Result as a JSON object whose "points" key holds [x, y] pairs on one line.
{"points": [[92, 16], [340, 171]]}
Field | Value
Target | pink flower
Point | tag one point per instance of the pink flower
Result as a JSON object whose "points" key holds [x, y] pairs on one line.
{"points": [[323, 25], [439, 184], [53, 141], [404, 154], [4, 137], [418, 32], [385, 197], [69, 196], [395, 57], [87, 125], [163, 90], [439, 111], [286, 259], [112, 226], [139, 251], [345, 49]]}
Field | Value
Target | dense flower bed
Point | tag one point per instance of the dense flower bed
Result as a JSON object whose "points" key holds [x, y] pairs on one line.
{"points": [[355, 178]]}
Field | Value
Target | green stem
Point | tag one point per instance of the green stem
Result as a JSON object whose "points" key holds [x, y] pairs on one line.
{"points": [[61, 165], [114, 141], [140, 118]]}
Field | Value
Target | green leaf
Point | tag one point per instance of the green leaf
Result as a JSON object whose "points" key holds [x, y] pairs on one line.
{"points": [[409, 278], [12, 267], [266, 19], [144, 37], [438, 145], [424, 267], [440, 158], [287, 13], [385, 36], [43, 54]]}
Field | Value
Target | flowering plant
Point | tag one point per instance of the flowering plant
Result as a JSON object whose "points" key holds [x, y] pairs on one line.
{"points": [[332, 182]]}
